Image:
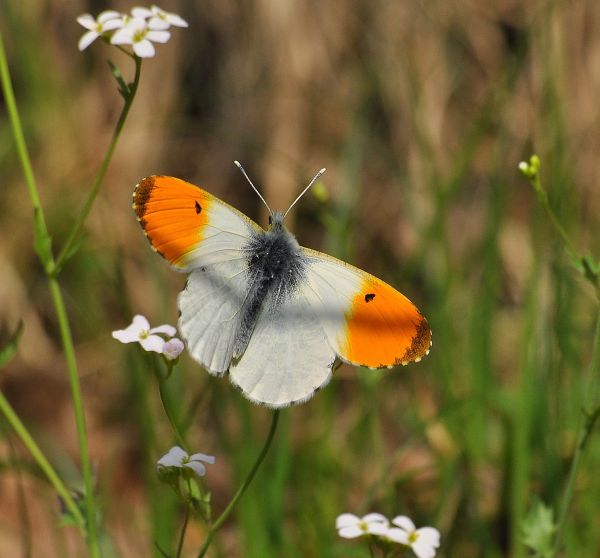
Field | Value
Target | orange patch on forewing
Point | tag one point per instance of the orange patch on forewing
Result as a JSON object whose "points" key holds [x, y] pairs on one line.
{"points": [[383, 328], [173, 214]]}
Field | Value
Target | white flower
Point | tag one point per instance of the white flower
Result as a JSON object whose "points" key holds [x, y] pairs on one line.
{"points": [[137, 34], [159, 19], [105, 22], [350, 526], [172, 348], [178, 458], [139, 331], [423, 542]]}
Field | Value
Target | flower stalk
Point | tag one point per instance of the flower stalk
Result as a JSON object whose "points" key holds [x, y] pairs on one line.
{"points": [[44, 250], [227, 511]]}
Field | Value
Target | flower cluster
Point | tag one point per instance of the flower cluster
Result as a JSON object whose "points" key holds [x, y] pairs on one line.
{"points": [[139, 331], [139, 29], [423, 542]]}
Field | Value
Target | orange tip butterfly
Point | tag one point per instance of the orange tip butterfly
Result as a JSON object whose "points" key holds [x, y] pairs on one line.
{"points": [[273, 314]]}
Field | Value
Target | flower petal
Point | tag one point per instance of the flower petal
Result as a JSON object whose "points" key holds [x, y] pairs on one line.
{"points": [[113, 24], [166, 329], [377, 528], [429, 534], [173, 458], [140, 12], [158, 24], [176, 20], [158, 36], [144, 48], [141, 322], [397, 535], [203, 457], [128, 335], [87, 21], [346, 520], [404, 522], [107, 15], [375, 518], [197, 467], [123, 36], [152, 343], [422, 549], [351, 532], [173, 348], [86, 40]]}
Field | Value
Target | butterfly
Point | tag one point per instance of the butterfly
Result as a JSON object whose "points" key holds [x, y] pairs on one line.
{"points": [[275, 315]]}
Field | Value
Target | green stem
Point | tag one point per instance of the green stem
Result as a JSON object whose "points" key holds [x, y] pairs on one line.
{"points": [[590, 416], [47, 259], [84, 455], [41, 460], [183, 530], [75, 233], [222, 518], [169, 412]]}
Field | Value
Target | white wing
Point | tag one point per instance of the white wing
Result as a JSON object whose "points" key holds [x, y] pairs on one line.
{"points": [[209, 308], [288, 357]]}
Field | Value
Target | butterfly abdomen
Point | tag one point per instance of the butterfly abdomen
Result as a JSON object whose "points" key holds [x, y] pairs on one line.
{"points": [[276, 265]]}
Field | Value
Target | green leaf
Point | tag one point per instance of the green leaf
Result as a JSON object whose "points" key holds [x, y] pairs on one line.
{"points": [[43, 243], [124, 89], [10, 348], [538, 529]]}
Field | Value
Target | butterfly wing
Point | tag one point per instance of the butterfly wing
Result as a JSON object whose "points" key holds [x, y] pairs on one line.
{"points": [[288, 357], [195, 231], [188, 226], [367, 322]]}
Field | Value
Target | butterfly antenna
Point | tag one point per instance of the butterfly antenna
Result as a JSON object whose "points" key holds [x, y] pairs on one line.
{"points": [[316, 177], [239, 166]]}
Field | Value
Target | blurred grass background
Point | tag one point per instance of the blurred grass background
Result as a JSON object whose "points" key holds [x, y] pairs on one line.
{"points": [[421, 112]]}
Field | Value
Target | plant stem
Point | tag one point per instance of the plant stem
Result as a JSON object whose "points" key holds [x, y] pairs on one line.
{"points": [[591, 414], [169, 412], [182, 534], [47, 259], [219, 522], [41, 460], [75, 233]]}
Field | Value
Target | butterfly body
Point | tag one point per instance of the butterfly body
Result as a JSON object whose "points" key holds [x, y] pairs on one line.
{"points": [[275, 267], [273, 314]]}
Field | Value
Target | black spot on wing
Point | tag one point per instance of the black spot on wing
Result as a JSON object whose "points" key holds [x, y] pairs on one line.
{"points": [[369, 297], [198, 207]]}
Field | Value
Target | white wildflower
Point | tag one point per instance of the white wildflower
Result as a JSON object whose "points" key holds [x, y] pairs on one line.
{"points": [[107, 21], [178, 459], [139, 331], [423, 542]]}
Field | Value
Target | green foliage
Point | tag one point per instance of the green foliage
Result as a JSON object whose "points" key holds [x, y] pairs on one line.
{"points": [[538, 529]]}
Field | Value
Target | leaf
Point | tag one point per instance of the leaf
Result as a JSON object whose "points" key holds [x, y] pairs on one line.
{"points": [[43, 243], [9, 350], [538, 529], [124, 89]]}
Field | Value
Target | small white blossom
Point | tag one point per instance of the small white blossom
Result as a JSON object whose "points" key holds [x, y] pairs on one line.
{"points": [[178, 458], [172, 348], [350, 526], [139, 331], [105, 22], [159, 19], [137, 34], [423, 542]]}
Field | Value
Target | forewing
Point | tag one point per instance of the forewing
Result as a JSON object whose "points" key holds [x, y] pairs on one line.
{"points": [[195, 231], [288, 357], [188, 226], [367, 322]]}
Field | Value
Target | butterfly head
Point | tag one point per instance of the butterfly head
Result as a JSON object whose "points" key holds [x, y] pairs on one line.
{"points": [[276, 220]]}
